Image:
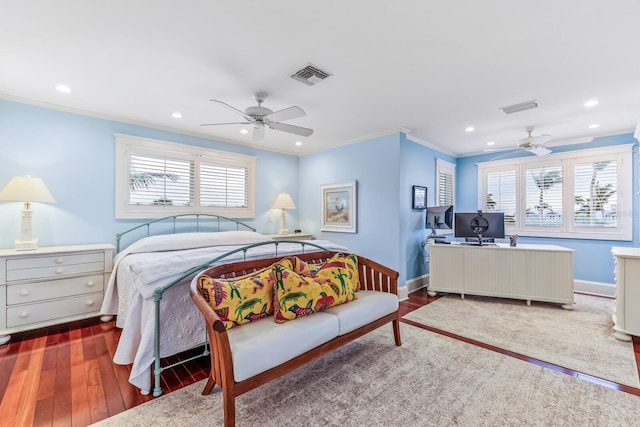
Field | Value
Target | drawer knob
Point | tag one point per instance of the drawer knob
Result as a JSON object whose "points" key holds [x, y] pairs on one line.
{"points": [[90, 303], [90, 283], [24, 314], [24, 293], [59, 260], [59, 270]]}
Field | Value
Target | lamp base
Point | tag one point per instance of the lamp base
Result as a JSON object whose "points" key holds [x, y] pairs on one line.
{"points": [[26, 245], [283, 223]]}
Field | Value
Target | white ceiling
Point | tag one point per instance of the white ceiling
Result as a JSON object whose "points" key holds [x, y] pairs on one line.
{"points": [[431, 68]]}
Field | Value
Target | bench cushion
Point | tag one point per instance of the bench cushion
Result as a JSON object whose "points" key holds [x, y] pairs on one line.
{"points": [[370, 306], [264, 344]]}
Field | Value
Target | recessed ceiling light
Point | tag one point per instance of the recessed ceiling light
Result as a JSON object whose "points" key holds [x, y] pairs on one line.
{"points": [[490, 143], [176, 115], [244, 131], [591, 103], [63, 88], [298, 143], [594, 125], [469, 129]]}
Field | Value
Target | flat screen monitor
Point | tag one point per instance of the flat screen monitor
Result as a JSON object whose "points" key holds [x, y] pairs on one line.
{"points": [[476, 224], [439, 217]]}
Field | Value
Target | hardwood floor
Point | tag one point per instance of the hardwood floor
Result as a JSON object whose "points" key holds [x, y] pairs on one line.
{"points": [[64, 375]]}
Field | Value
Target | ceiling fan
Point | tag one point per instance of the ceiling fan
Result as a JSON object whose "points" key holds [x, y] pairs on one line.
{"points": [[261, 116], [537, 144]]}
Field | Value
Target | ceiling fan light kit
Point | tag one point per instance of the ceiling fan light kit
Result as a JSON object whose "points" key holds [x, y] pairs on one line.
{"points": [[523, 106]]}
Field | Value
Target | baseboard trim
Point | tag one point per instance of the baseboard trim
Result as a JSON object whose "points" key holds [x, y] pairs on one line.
{"points": [[415, 284], [594, 288], [580, 286]]}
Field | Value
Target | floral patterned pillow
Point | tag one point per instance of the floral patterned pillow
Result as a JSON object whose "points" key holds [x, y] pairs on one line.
{"points": [[240, 300], [296, 295]]}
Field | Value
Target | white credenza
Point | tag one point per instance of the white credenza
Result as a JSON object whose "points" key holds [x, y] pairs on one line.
{"points": [[526, 272], [626, 317], [51, 285]]}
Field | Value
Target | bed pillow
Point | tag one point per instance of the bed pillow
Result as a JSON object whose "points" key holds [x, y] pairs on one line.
{"points": [[180, 241], [240, 300], [298, 295]]}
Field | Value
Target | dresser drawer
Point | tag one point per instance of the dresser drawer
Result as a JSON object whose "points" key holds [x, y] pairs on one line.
{"points": [[39, 291], [54, 266], [50, 310]]}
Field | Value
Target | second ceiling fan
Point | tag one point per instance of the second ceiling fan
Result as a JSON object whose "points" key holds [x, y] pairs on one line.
{"points": [[538, 144], [261, 117]]}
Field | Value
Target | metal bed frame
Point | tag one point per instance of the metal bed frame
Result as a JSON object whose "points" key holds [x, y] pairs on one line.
{"points": [[158, 292]]}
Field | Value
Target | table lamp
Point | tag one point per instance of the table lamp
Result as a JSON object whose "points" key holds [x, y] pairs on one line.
{"points": [[26, 189], [283, 201]]}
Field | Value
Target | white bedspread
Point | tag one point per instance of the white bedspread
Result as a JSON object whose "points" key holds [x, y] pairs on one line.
{"points": [[129, 295]]}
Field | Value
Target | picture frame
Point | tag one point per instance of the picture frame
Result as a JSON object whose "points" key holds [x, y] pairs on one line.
{"points": [[419, 197], [339, 207]]}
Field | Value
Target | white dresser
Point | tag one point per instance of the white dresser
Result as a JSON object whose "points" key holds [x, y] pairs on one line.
{"points": [[626, 317], [526, 272], [51, 285]]}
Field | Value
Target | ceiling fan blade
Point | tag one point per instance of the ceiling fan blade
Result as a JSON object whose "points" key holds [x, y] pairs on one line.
{"points": [[234, 123], [539, 150], [569, 141], [291, 129], [286, 114], [258, 133], [235, 110]]}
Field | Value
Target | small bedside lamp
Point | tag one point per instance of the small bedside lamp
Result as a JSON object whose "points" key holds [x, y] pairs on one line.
{"points": [[283, 201], [26, 189]]}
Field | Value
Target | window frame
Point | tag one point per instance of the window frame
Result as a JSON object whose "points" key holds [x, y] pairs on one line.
{"points": [[445, 167], [127, 144], [622, 154]]}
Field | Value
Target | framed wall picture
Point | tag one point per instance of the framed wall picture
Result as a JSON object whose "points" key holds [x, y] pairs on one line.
{"points": [[419, 197], [339, 210]]}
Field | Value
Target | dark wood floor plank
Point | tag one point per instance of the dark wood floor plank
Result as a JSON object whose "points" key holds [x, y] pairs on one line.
{"points": [[115, 403], [29, 392], [97, 398], [11, 401], [44, 413], [62, 401], [80, 413]]}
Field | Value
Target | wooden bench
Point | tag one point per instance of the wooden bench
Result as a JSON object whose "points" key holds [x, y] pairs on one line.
{"points": [[372, 277]]}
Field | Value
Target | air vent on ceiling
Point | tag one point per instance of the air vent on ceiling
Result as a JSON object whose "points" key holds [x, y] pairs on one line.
{"points": [[310, 75], [520, 107]]}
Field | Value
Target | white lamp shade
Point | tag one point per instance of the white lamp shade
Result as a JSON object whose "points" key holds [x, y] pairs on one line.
{"points": [[283, 201], [26, 189]]}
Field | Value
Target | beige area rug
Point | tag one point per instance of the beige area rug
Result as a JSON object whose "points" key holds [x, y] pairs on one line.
{"points": [[579, 339], [431, 380]]}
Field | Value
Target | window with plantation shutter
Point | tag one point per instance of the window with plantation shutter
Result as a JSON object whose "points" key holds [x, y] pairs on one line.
{"points": [[157, 178], [543, 196], [576, 194], [445, 183], [595, 195], [501, 194]]}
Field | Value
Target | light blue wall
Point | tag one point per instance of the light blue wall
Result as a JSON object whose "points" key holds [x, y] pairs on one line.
{"points": [[74, 155], [375, 165], [417, 167], [592, 258]]}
